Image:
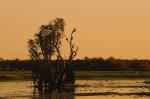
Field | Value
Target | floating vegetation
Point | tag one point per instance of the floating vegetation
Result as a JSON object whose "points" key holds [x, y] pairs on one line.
{"points": [[147, 82]]}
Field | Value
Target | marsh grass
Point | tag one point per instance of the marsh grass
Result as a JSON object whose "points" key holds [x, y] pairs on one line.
{"points": [[111, 74], [27, 75], [15, 75]]}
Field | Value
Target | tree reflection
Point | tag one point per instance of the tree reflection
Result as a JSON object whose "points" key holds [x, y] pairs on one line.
{"points": [[63, 93]]}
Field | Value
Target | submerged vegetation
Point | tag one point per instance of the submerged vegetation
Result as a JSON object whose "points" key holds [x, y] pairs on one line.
{"points": [[147, 82]]}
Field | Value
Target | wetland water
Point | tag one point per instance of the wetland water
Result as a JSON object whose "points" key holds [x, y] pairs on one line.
{"points": [[85, 89]]}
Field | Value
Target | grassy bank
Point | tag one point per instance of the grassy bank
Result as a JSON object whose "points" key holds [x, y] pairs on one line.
{"points": [[26, 75], [15, 75], [112, 74]]}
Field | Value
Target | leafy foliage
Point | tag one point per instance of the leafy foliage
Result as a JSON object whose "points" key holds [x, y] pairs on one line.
{"points": [[43, 46]]}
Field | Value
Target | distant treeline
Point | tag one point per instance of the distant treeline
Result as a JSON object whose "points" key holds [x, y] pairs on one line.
{"points": [[86, 64]]}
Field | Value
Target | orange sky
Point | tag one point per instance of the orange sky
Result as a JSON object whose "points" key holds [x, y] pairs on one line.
{"points": [[119, 28]]}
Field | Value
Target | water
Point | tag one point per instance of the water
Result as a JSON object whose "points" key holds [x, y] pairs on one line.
{"points": [[85, 89]]}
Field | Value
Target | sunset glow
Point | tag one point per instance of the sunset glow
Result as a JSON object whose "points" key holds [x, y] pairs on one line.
{"points": [[119, 28]]}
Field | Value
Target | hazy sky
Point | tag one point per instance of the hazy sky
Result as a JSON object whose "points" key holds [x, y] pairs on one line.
{"points": [[119, 28]]}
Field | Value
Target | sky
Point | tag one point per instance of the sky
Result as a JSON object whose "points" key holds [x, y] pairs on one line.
{"points": [[118, 28]]}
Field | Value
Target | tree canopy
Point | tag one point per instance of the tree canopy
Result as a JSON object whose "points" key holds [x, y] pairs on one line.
{"points": [[47, 40]]}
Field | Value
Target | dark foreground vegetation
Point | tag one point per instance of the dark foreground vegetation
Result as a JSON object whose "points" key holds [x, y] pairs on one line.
{"points": [[87, 64]]}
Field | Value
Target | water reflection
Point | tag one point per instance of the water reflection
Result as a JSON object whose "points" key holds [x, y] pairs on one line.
{"points": [[65, 93], [85, 89]]}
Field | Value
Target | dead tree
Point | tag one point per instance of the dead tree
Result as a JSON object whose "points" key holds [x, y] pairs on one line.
{"points": [[69, 72], [65, 71]]}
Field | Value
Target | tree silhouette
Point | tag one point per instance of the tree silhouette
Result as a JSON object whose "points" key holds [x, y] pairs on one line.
{"points": [[45, 45]]}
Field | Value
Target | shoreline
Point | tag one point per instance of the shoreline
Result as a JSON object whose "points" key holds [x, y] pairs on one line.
{"points": [[80, 75]]}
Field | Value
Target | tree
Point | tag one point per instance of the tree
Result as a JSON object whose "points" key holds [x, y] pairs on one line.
{"points": [[47, 43]]}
